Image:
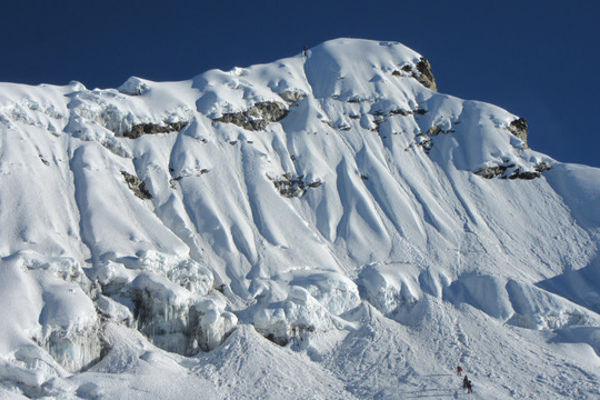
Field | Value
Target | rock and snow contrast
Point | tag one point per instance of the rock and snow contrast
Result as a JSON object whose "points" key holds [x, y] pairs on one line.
{"points": [[326, 226]]}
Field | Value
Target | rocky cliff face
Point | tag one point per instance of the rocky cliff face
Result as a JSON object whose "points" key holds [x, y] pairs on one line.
{"points": [[519, 128], [425, 75], [257, 117]]}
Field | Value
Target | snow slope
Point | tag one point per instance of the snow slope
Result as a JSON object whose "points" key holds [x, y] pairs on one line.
{"points": [[324, 226]]}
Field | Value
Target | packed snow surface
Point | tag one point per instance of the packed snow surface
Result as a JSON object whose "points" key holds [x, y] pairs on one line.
{"points": [[325, 226]]}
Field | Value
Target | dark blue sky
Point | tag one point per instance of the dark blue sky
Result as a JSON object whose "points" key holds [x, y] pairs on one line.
{"points": [[535, 58]]}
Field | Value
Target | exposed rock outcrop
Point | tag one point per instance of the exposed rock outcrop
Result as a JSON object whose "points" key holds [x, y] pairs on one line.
{"points": [[150, 128], [425, 75], [137, 186], [436, 130], [543, 166], [292, 96], [511, 171], [289, 186], [492, 172], [257, 117], [425, 142], [421, 72], [519, 128], [425, 139]]}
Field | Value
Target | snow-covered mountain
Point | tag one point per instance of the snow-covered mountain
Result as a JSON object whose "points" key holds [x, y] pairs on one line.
{"points": [[326, 226]]}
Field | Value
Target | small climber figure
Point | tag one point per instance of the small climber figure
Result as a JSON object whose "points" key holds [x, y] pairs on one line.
{"points": [[459, 370], [469, 386], [304, 50], [465, 382]]}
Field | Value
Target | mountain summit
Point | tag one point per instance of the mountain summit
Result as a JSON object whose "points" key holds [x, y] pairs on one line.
{"points": [[324, 226]]}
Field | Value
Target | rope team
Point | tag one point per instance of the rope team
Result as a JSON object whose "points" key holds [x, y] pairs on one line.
{"points": [[467, 384]]}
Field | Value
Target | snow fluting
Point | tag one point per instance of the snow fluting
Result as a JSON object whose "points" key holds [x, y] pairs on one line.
{"points": [[326, 226]]}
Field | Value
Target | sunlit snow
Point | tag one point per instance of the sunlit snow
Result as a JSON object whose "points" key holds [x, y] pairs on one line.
{"points": [[323, 227]]}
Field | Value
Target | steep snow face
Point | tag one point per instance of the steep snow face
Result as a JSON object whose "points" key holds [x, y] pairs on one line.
{"points": [[322, 201]]}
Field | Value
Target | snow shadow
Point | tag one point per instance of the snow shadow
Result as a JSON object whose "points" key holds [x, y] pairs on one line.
{"points": [[428, 393], [581, 286], [582, 334]]}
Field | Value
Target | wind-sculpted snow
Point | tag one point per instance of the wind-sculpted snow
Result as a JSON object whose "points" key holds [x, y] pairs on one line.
{"points": [[323, 226]]}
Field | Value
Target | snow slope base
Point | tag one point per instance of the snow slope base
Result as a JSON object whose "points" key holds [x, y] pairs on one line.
{"points": [[325, 226]]}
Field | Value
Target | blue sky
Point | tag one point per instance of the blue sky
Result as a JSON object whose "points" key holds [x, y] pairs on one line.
{"points": [[537, 59]]}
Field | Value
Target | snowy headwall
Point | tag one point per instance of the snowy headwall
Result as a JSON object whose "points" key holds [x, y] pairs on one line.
{"points": [[285, 196]]}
